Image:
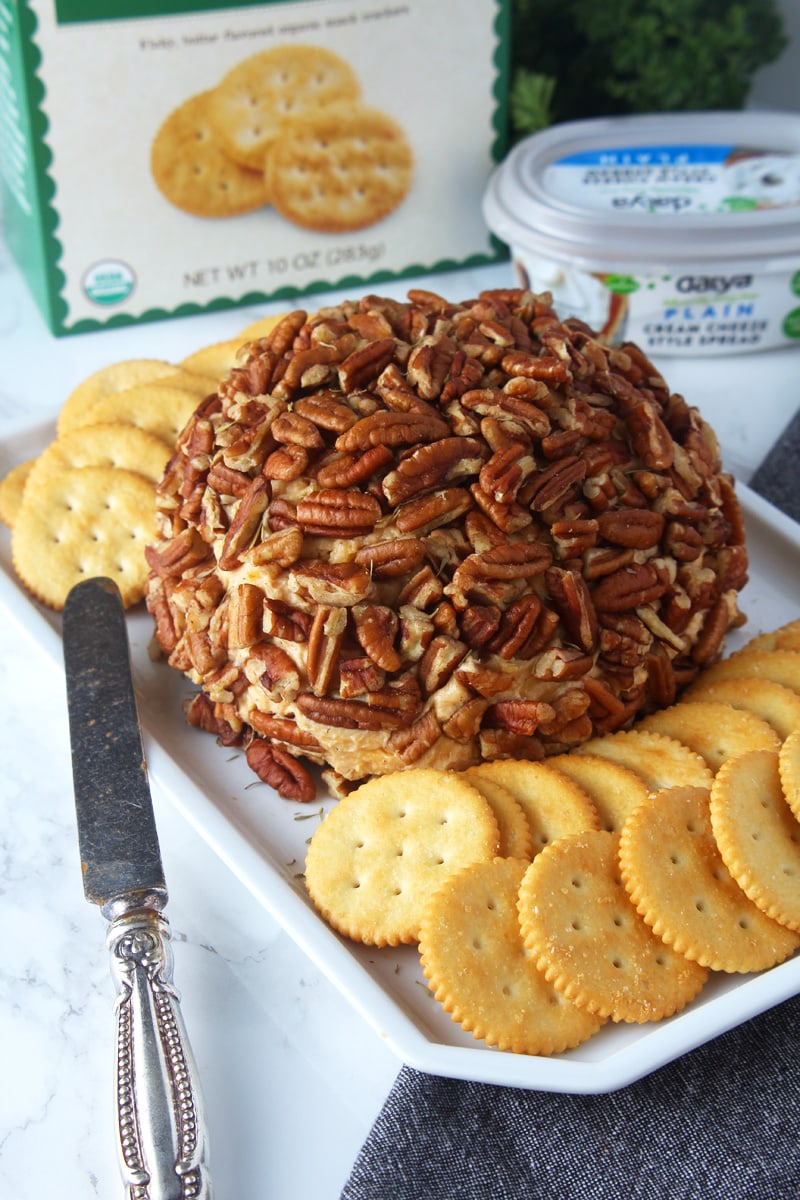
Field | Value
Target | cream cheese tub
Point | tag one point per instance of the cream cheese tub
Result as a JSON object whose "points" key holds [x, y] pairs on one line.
{"points": [[680, 232]]}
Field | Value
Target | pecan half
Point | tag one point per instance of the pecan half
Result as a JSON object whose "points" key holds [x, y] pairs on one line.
{"points": [[632, 587], [637, 528], [338, 512], [392, 559], [245, 616], [324, 643], [281, 770], [376, 629], [246, 522], [438, 508], [431, 466], [392, 429], [572, 600]]}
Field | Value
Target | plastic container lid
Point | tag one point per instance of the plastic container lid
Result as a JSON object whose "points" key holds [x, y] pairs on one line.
{"points": [[716, 187]]}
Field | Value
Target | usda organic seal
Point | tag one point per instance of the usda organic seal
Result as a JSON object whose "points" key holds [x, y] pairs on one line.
{"points": [[108, 282]]}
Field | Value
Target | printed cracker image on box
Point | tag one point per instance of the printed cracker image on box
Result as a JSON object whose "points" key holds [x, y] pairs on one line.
{"points": [[224, 152], [285, 127]]}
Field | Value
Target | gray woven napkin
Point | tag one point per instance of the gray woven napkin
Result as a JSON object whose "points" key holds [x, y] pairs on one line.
{"points": [[721, 1123], [777, 478]]}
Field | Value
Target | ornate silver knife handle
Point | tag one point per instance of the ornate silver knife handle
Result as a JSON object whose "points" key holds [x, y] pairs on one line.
{"points": [[160, 1123]]}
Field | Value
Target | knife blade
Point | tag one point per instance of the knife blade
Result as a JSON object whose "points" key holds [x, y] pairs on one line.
{"points": [[161, 1138]]}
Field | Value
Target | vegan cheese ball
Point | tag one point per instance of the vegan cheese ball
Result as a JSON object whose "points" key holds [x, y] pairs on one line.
{"points": [[433, 534]]}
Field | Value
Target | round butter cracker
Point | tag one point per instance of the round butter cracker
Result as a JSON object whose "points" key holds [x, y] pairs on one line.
{"points": [[786, 637], [157, 408], [115, 377], [193, 171], [215, 360], [776, 704], [83, 522], [789, 767], [12, 489], [584, 933], [614, 790], [113, 444], [266, 92], [340, 170], [553, 805], [475, 962], [758, 834], [677, 879], [715, 731], [383, 849], [781, 666], [516, 840], [661, 761]]}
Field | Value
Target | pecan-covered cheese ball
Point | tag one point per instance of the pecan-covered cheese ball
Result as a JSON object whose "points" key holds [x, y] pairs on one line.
{"points": [[434, 533]]}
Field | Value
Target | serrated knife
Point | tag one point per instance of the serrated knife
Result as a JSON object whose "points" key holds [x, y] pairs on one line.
{"points": [[161, 1135]]}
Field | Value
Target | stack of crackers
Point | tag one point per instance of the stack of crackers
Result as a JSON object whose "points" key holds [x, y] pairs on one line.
{"points": [[285, 127], [86, 505], [547, 898]]}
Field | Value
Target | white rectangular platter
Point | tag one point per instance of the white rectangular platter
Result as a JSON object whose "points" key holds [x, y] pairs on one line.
{"points": [[262, 839]]}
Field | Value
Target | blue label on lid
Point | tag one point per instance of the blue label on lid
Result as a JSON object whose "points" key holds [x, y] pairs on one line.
{"points": [[646, 156], [674, 179]]}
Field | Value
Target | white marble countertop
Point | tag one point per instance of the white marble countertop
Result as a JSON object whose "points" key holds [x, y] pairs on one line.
{"points": [[293, 1078]]}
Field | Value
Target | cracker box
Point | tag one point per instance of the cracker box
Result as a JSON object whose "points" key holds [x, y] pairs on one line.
{"points": [[163, 159]]}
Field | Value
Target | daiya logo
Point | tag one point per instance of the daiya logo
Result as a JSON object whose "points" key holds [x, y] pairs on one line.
{"points": [[718, 284]]}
